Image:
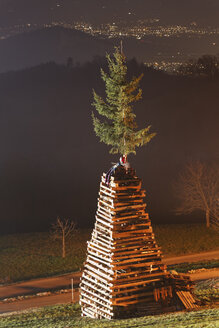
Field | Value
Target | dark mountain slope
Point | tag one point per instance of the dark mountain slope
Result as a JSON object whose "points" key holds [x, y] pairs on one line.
{"points": [[49, 44]]}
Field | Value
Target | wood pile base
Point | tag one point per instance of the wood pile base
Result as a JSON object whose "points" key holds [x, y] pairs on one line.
{"points": [[123, 275]]}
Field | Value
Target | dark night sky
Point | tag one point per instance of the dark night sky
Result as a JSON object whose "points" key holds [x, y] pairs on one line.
{"points": [[50, 160], [169, 11]]}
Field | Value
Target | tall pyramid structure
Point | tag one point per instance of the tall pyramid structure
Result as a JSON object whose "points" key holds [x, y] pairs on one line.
{"points": [[123, 274]]}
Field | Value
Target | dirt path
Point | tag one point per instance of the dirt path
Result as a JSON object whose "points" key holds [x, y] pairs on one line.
{"points": [[66, 298], [39, 285], [192, 258], [204, 275], [37, 302], [64, 282]]}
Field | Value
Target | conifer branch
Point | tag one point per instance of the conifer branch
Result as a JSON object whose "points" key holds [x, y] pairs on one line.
{"points": [[120, 129]]}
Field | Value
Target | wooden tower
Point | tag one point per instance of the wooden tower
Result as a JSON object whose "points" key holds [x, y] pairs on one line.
{"points": [[123, 275]]}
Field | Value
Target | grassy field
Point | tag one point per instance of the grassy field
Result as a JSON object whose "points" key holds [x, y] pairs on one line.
{"points": [[207, 292], [32, 255], [68, 316], [180, 239], [186, 267]]}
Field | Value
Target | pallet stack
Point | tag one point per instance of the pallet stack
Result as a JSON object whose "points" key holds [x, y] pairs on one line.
{"points": [[123, 274]]}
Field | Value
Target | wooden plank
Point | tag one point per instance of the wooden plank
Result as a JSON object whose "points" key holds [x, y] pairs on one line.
{"points": [[142, 259], [129, 218], [124, 273], [99, 268], [123, 196], [140, 246], [116, 300], [129, 208], [95, 282], [109, 209], [102, 291], [129, 193], [103, 221], [96, 255], [122, 223], [122, 183], [104, 192], [135, 289], [138, 252], [187, 299], [106, 198], [139, 275], [116, 180], [104, 186], [156, 294], [87, 312], [98, 263], [95, 245], [126, 188], [135, 241], [131, 226], [127, 303], [137, 265], [130, 238], [127, 201], [130, 233], [127, 228], [104, 211], [138, 283], [98, 296], [183, 299], [89, 301], [98, 275], [106, 232], [126, 247], [107, 242], [105, 204]]}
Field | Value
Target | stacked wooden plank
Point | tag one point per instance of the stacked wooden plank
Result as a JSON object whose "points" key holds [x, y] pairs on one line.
{"points": [[123, 274]]}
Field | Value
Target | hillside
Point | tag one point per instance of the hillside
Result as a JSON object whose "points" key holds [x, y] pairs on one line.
{"points": [[51, 161], [57, 44], [49, 44]]}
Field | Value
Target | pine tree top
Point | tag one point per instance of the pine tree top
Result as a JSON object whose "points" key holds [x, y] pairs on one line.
{"points": [[119, 128]]}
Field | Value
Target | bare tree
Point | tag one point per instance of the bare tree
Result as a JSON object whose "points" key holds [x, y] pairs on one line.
{"points": [[215, 214], [198, 189], [63, 229]]}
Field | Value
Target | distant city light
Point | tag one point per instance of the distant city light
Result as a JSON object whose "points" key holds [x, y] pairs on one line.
{"points": [[141, 29]]}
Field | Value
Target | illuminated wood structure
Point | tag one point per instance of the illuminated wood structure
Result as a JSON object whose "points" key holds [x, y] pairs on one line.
{"points": [[123, 275]]}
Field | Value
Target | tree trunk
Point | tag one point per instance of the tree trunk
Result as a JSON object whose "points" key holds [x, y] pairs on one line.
{"points": [[63, 245], [207, 216]]}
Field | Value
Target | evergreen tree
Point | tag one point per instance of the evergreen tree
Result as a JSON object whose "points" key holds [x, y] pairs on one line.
{"points": [[119, 129]]}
